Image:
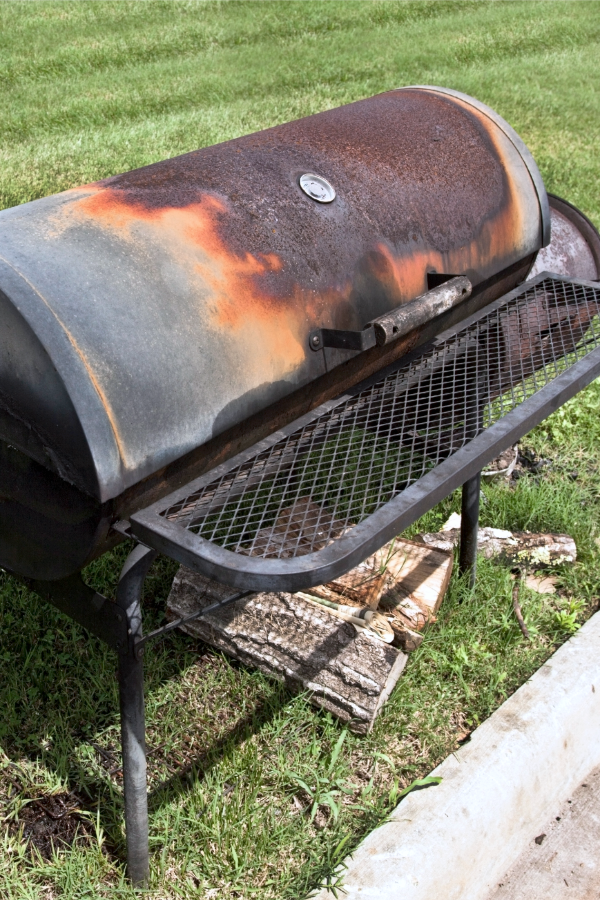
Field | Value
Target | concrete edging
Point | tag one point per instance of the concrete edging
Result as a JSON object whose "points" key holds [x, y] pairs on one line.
{"points": [[455, 840]]}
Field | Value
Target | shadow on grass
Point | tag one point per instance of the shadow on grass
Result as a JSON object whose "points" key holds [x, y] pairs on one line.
{"points": [[59, 692], [199, 766], [61, 704]]}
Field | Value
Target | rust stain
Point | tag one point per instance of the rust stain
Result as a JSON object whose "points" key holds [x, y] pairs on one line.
{"points": [[501, 232], [194, 235], [498, 237], [97, 387], [248, 287], [193, 238]]}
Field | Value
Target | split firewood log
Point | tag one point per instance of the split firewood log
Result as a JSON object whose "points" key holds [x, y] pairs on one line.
{"points": [[521, 548]]}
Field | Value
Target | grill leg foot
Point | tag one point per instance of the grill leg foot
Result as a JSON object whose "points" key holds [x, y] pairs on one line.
{"points": [[469, 526], [131, 696]]}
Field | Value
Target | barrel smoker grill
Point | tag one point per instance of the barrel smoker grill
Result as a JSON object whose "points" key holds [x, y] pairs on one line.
{"points": [[266, 358]]}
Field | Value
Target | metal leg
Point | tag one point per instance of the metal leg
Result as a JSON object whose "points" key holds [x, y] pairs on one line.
{"points": [[469, 526], [131, 694]]}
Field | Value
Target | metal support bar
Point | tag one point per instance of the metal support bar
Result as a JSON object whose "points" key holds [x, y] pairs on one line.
{"points": [[159, 633], [469, 526], [131, 696], [81, 603]]}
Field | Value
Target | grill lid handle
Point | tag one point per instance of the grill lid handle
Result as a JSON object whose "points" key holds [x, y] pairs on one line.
{"points": [[397, 323], [423, 309]]}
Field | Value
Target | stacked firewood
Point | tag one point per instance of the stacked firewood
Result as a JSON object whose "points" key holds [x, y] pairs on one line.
{"points": [[344, 642]]}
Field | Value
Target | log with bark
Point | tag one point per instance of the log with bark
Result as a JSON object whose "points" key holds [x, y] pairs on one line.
{"points": [[518, 548], [349, 673], [312, 640]]}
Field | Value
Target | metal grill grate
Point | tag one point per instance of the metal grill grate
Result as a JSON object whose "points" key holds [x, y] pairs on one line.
{"points": [[311, 486]]}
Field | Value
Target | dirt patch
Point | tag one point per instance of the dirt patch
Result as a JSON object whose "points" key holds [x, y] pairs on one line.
{"points": [[52, 821]]}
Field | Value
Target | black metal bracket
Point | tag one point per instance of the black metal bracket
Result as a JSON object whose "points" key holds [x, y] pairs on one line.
{"points": [[342, 340], [100, 616], [106, 619], [400, 321]]}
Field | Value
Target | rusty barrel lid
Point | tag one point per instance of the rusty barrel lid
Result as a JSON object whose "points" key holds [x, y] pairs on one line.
{"points": [[146, 313]]}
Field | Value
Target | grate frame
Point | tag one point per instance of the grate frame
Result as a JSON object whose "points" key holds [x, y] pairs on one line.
{"points": [[461, 419]]}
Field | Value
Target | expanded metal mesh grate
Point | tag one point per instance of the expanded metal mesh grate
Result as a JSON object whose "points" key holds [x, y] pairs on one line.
{"points": [[311, 486]]}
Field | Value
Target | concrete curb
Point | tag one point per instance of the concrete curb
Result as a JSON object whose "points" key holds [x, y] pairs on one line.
{"points": [[455, 840]]}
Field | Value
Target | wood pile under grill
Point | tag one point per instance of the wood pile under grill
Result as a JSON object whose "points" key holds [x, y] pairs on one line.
{"points": [[320, 640]]}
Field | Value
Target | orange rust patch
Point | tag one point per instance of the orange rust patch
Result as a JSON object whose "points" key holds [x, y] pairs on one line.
{"points": [[191, 236], [231, 286], [507, 229], [500, 237], [409, 272], [108, 207]]}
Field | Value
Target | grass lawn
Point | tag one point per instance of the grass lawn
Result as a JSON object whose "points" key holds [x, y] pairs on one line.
{"points": [[93, 89]]}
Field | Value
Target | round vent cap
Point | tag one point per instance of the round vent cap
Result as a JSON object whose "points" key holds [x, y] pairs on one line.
{"points": [[317, 188]]}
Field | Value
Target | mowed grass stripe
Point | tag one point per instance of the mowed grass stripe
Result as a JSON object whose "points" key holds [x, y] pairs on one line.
{"points": [[178, 82], [303, 77], [115, 35]]}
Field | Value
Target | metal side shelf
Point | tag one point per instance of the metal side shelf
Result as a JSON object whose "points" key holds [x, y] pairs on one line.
{"points": [[317, 497]]}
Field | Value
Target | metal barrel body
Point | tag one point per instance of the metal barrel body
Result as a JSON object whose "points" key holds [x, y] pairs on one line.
{"points": [[145, 314]]}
